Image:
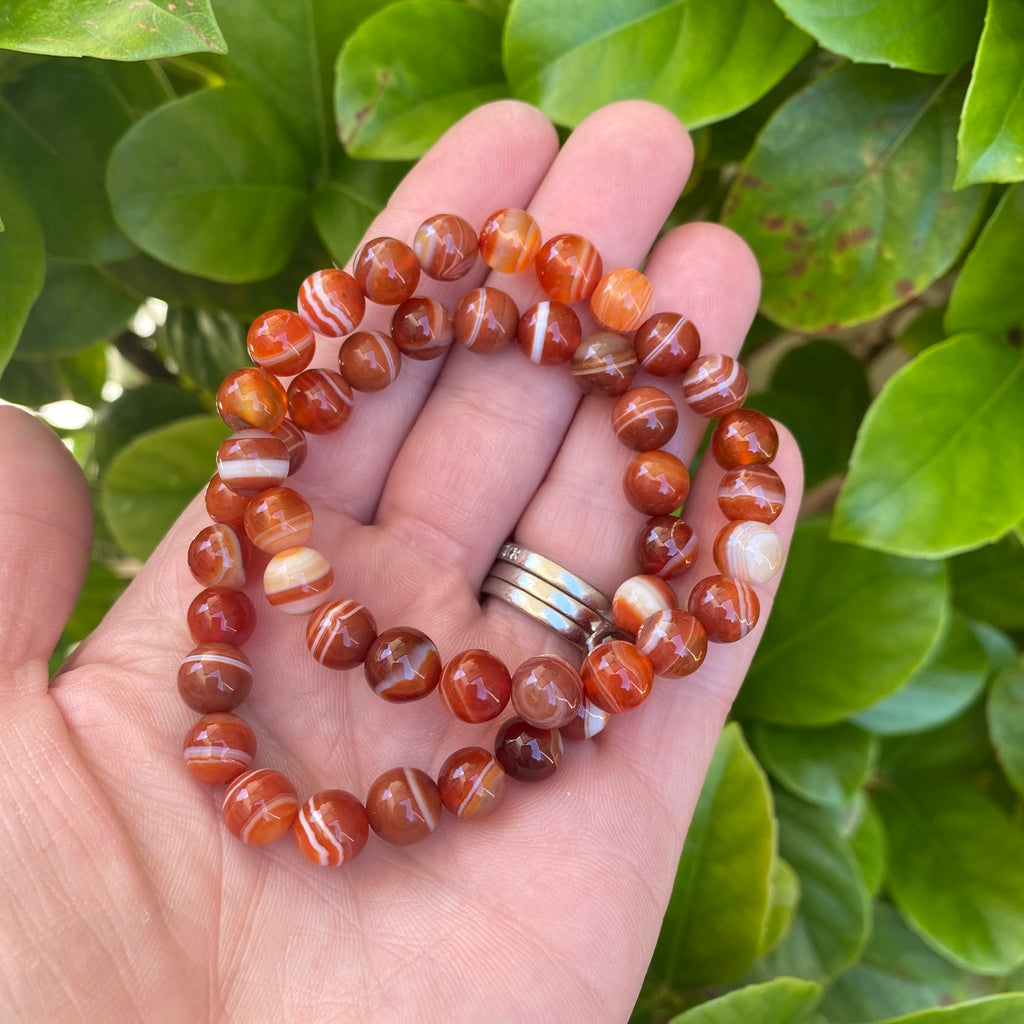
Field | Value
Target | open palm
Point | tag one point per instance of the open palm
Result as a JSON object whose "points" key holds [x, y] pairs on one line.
{"points": [[122, 896]]}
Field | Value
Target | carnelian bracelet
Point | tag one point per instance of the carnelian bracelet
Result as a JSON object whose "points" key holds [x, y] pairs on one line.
{"points": [[251, 509]]}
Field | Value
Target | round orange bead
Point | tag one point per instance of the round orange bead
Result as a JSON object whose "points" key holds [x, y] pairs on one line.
{"points": [[547, 692], [728, 608], [402, 664], [475, 686], [219, 747], [404, 806], [666, 344], [319, 400], [752, 492], [446, 246], [369, 360], [260, 807], [748, 550], [486, 320], [714, 385], [644, 418], [568, 268], [656, 482], [472, 784], [281, 341], [387, 270], [214, 677], [638, 598], [605, 363], [339, 633], [332, 828], [296, 580], [674, 642], [278, 518], [667, 547], [617, 676], [621, 299], [223, 504], [216, 557], [251, 397], [549, 333], [252, 460], [744, 437], [332, 303], [509, 241], [422, 328], [221, 615]]}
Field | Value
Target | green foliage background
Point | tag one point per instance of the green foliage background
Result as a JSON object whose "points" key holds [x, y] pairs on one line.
{"points": [[858, 851]]}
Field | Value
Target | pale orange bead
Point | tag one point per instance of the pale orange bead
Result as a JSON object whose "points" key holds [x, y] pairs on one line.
{"points": [[622, 299]]}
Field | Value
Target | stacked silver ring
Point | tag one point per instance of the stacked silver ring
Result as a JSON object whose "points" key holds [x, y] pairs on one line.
{"points": [[550, 593]]}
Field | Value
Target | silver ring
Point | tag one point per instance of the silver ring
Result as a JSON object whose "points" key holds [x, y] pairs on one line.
{"points": [[573, 610], [557, 575], [537, 609]]}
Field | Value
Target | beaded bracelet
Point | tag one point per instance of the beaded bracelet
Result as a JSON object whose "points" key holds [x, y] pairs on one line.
{"points": [[552, 699]]}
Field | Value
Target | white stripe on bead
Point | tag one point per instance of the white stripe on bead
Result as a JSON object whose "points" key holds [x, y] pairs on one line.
{"points": [[422, 804]]}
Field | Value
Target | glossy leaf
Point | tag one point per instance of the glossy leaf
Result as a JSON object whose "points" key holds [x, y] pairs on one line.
{"points": [[851, 222], [991, 143], [392, 101], [152, 479], [988, 583], [897, 974], [779, 1001], [783, 899], [942, 485], [140, 30], [1006, 722], [823, 766], [62, 120], [923, 331], [22, 262], [833, 919], [35, 382], [1004, 1009], [956, 749], [230, 212], [868, 843], [703, 59], [923, 35], [956, 871], [839, 641], [712, 927], [951, 679]]}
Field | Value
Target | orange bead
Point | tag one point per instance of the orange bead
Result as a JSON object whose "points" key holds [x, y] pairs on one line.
{"points": [[748, 550], [278, 518], [752, 492], [332, 303], [260, 807], [621, 299], [216, 557], [744, 437], [446, 246], [549, 333], [295, 443], [547, 691], [714, 385], [281, 341], [221, 615], [339, 633], [472, 784], [223, 504], [214, 677], [486, 320], [297, 580], [644, 418], [422, 328], [332, 828], [387, 270], [402, 664], [509, 241], [251, 397], [656, 482], [251, 460], [727, 608], [404, 806], [638, 598], [528, 752], [604, 363], [319, 400], [666, 344], [617, 676], [673, 641], [219, 747], [667, 547], [568, 268], [369, 360], [475, 686]]}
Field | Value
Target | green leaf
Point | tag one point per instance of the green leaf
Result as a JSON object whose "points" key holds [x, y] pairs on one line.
{"points": [[140, 30], [390, 102], [152, 479], [956, 871], [779, 1001], [205, 347], [988, 583], [1006, 722], [712, 927], [62, 121], [840, 640], [948, 682], [991, 140], [783, 899], [79, 306], [22, 262], [923, 35], [941, 486], [823, 766], [212, 184], [925, 330], [102, 588], [897, 974], [956, 749], [703, 59], [1004, 1009], [868, 843], [989, 291], [357, 192], [35, 382], [833, 919], [851, 222]]}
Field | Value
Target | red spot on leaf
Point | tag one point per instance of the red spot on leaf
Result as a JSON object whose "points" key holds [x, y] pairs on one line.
{"points": [[773, 223], [793, 245], [750, 181], [861, 234], [798, 268], [904, 288], [829, 329], [800, 228], [828, 206]]}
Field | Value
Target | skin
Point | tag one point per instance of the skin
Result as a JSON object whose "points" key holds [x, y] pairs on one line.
{"points": [[122, 896]]}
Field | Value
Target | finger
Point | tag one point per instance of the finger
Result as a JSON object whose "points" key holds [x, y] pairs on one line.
{"points": [[46, 526], [492, 425]]}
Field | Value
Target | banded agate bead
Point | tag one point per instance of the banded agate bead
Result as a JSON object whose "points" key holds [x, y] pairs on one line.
{"points": [[640, 597], [714, 385], [260, 806], [281, 341], [568, 268], [223, 504], [673, 641], [446, 246], [331, 828], [617, 676], [422, 328], [475, 686], [404, 806], [744, 437], [486, 320], [509, 241], [219, 615], [214, 677], [219, 747], [296, 580], [547, 692], [402, 664], [319, 400], [294, 441], [752, 492], [528, 752], [216, 557], [339, 633], [251, 460], [278, 518], [604, 363], [251, 397], [388, 271], [621, 300], [748, 550], [472, 784], [644, 418], [369, 360], [727, 607], [588, 721], [656, 482], [667, 547], [666, 344], [549, 333], [332, 303]]}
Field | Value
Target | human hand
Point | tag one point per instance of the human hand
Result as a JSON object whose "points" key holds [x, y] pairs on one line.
{"points": [[124, 899]]}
